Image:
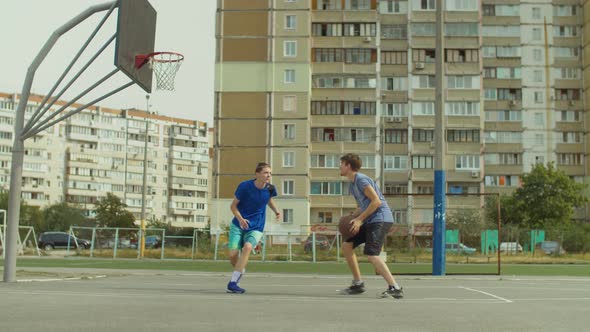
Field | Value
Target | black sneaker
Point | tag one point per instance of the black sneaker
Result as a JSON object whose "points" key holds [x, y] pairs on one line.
{"points": [[392, 292], [354, 289]]}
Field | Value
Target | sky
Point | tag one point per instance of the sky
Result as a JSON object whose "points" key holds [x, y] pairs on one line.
{"points": [[184, 26]]}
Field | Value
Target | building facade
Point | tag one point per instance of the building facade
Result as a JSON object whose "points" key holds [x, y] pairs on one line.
{"points": [[100, 151], [301, 82]]}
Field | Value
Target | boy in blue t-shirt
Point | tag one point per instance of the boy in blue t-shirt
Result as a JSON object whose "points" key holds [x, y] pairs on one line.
{"points": [[249, 209]]}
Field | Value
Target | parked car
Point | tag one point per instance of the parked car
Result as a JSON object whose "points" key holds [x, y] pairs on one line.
{"points": [[321, 242], [459, 248], [512, 247], [59, 240], [550, 247], [151, 242]]}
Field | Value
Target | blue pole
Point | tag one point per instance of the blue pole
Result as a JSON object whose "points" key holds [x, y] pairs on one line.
{"points": [[438, 234]]}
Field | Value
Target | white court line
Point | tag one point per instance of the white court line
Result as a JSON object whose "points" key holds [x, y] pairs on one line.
{"points": [[486, 293]]}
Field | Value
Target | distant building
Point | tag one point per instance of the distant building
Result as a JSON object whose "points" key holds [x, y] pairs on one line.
{"points": [[301, 82], [101, 150]]}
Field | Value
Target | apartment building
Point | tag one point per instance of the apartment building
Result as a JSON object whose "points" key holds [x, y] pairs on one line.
{"points": [[101, 150], [301, 82]]}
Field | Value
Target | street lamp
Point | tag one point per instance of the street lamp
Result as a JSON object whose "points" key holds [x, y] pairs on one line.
{"points": [[144, 186]]}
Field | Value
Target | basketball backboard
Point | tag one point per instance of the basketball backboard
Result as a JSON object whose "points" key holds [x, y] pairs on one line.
{"points": [[136, 35]]}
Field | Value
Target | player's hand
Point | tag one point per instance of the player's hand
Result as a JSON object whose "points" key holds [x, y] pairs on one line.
{"points": [[244, 223], [278, 215], [356, 226]]}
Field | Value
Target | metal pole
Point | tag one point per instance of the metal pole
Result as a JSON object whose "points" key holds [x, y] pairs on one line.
{"points": [[438, 234], [143, 189], [4, 235]]}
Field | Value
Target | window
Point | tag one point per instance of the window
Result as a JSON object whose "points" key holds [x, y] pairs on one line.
{"points": [[358, 55], [423, 29], [289, 131], [571, 137], [569, 116], [394, 163], [325, 161], [391, 31], [396, 136], [423, 135], [290, 22], [325, 188], [395, 83], [538, 97], [329, 4], [537, 54], [462, 5], [395, 188], [394, 110], [565, 10], [501, 180], [462, 29], [467, 162], [287, 216], [462, 135], [503, 137], [538, 76], [289, 159], [423, 55], [536, 13], [422, 162], [393, 6], [571, 159], [424, 4], [424, 82], [539, 121], [461, 55], [289, 103], [394, 57], [360, 29], [325, 217], [423, 108], [566, 52], [288, 187], [290, 48], [503, 159], [462, 108], [326, 29], [537, 34], [358, 4], [289, 76], [565, 31], [463, 82], [500, 31]]}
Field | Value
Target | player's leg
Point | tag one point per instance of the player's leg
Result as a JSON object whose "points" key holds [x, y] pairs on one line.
{"points": [[235, 244], [251, 239], [357, 286], [376, 233]]}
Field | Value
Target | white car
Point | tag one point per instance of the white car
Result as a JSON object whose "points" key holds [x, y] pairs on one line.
{"points": [[512, 247]]}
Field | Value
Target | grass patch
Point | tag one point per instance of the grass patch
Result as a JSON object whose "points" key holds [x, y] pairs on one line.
{"points": [[305, 267]]}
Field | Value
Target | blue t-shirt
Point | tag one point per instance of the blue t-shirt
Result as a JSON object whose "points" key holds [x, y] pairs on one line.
{"points": [[357, 189], [252, 205]]}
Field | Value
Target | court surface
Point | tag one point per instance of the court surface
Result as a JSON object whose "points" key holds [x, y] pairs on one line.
{"points": [[133, 300]]}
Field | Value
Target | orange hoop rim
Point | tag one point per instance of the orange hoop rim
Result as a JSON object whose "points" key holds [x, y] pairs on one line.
{"points": [[142, 59]]}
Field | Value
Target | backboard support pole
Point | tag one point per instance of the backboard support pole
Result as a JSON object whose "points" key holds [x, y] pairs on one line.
{"points": [[18, 146]]}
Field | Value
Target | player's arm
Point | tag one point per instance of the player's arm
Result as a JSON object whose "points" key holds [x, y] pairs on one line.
{"points": [[274, 208], [234, 209], [356, 212]]}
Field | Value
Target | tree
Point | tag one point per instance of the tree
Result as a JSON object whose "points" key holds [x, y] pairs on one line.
{"points": [[469, 222], [547, 198], [29, 215], [60, 216], [111, 212]]}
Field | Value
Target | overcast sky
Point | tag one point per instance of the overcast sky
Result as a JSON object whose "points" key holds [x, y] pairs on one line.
{"points": [[184, 26]]}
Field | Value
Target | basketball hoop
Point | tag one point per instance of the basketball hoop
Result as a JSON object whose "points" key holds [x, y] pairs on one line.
{"points": [[164, 65]]}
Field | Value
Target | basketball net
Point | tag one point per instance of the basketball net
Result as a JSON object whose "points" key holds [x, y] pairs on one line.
{"points": [[165, 65]]}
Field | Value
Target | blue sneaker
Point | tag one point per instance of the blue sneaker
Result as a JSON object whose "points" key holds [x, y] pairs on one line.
{"points": [[232, 287]]}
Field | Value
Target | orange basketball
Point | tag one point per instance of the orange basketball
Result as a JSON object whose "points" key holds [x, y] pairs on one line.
{"points": [[344, 227]]}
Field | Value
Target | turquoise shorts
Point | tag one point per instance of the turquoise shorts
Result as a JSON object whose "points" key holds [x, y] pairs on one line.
{"points": [[238, 237]]}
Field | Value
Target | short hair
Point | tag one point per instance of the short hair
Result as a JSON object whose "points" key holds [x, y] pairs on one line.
{"points": [[261, 166], [353, 160]]}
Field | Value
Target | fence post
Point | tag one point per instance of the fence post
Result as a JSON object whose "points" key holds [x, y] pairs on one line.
{"points": [[195, 234], [289, 246], [216, 244], [116, 242], [264, 247], [338, 247], [313, 246], [163, 244], [92, 241]]}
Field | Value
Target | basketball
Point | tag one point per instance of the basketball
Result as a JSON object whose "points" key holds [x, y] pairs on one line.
{"points": [[344, 227]]}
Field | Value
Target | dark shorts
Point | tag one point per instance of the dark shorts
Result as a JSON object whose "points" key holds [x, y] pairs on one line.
{"points": [[372, 235]]}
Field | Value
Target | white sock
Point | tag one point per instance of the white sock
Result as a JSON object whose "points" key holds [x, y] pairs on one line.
{"points": [[235, 276], [357, 282], [395, 285]]}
